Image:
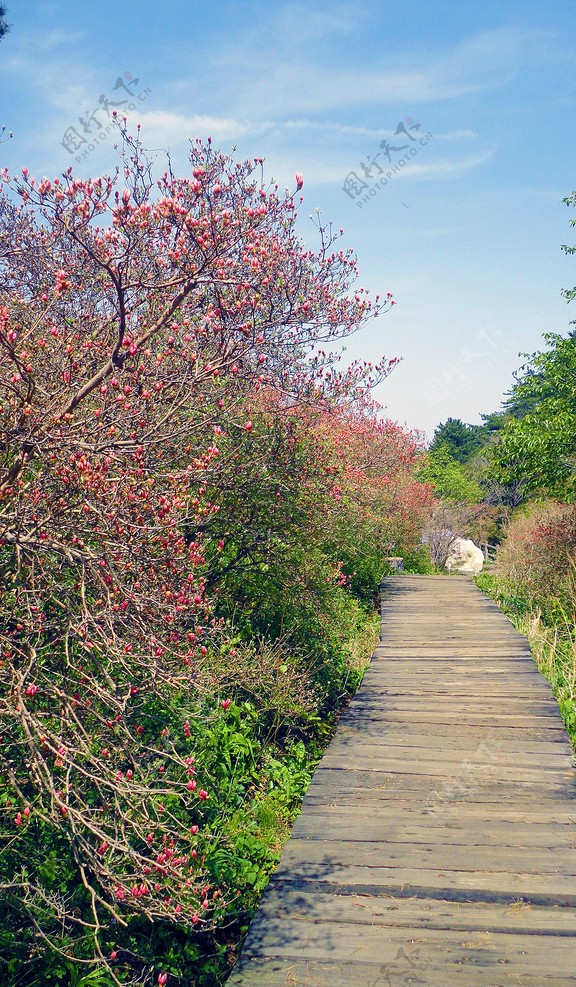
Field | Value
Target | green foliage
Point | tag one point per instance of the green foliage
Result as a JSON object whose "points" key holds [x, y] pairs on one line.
{"points": [[514, 604], [256, 734], [256, 787], [449, 477], [419, 561], [460, 440], [299, 603], [540, 447], [552, 638]]}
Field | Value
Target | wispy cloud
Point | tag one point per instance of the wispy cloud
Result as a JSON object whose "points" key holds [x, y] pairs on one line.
{"points": [[46, 41], [454, 135], [323, 173], [168, 127], [265, 84], [448, 169]]}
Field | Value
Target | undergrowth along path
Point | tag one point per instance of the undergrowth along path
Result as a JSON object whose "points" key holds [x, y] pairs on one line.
{"points": [[437, 844]]}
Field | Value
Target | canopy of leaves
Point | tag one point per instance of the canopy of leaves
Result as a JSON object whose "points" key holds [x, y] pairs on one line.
{"points": [[461, 440], [449, 477], [539, 448]]}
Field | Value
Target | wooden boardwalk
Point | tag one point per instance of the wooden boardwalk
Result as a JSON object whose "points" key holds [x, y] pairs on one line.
{"points": [[437, 845]]}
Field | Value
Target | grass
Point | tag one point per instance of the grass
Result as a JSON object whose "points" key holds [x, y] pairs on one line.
{"points": [[551, 634]]}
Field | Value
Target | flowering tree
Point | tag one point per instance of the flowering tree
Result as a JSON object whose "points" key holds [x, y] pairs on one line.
{"points": [[379, 505], [139, 323]]}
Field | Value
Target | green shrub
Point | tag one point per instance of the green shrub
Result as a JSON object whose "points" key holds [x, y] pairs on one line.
{"points": [[537, 557]]}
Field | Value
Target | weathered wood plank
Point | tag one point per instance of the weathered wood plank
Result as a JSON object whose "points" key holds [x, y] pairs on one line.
{"points": [[419, 948], [476, 813], [455, 754], [375, 721], [465, 741], [318, 857], [486, 769], [317, 824], [390, 912], [456, 885], [295, 972]]}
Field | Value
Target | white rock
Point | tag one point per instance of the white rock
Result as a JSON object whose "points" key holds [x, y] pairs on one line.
{"points": [[465, 556]]}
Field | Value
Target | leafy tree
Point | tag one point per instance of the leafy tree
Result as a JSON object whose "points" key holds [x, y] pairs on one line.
{"points": [[539, 449], [448, 477], [492, 423], [461, 440]]}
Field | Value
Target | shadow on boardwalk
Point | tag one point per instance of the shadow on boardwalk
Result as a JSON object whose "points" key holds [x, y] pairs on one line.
{"points": [[437, 845]]}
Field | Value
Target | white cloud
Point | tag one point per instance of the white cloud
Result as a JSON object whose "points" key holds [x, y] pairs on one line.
{"points": [[333, 173], [447, 169], [287, 80], [454, 135], [168, 127]]}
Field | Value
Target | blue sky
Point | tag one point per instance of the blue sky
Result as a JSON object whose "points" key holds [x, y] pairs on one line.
{"points": [[466, 232]]}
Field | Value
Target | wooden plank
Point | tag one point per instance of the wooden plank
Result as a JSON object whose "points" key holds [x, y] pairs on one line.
{"points": [[487, 670], [481, 771], [454, 753], [450, 705], [509, 691], [317, 824], [418, 949], [333, 856], [457, 885], [542, 727], [548, 720], [471, 814], [351, 721], [390, 912], [439, 744], [435, 796], [417, 775], [296, 972], [438, 801]]}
